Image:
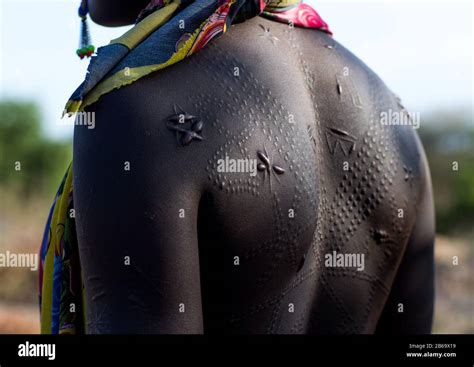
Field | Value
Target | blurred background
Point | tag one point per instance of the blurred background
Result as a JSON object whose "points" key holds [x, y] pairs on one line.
{"points": [[421, 49]]}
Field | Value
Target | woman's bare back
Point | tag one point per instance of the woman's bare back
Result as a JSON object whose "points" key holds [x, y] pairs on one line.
{"points": [[255, 190]]}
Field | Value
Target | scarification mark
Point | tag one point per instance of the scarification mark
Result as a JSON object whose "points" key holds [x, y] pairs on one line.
{"points": [[340, 132], [345, 83], [339, 88], [267, 167], [186, 127], [408, 173], [380, 236], [339, 138], [278, 170], [267, 34], [312, 138]]}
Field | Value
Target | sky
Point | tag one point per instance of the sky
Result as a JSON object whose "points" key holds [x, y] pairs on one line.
{"points": [[421, 49]]}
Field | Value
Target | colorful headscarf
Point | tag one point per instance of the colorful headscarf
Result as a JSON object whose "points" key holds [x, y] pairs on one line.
{"points": [[154, 43]]}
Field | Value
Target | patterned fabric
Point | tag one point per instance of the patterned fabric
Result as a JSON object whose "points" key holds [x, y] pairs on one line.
{"points": [[155, 42], [60, 284]]}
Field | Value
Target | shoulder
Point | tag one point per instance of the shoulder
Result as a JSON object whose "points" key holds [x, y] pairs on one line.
{"points": [[350, 98], [230, 86]]}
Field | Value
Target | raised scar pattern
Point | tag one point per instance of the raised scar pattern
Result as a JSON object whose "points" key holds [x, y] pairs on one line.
{"points": [[345, 83], [337, 137], [266, 165], [312, 138], [186, 127], [268, 35], [380, 236], [408, 173]]}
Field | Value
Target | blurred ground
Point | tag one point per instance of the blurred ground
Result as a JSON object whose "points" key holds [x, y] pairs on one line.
{"points": [[453, 312], [19, 319]]}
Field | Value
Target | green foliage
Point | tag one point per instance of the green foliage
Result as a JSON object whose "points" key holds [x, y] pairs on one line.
{"points": [[449, 139], [30, 163]]}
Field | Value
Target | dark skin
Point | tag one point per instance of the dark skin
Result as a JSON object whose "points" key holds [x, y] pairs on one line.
{"points": [[115, 13], [220, 252]]}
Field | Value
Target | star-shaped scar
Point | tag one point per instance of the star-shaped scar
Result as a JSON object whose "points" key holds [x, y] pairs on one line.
{"points": [[268, 35], [186, 127]]}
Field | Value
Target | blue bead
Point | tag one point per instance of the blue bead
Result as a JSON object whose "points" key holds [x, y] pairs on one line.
{"points": [[83, 8]]}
